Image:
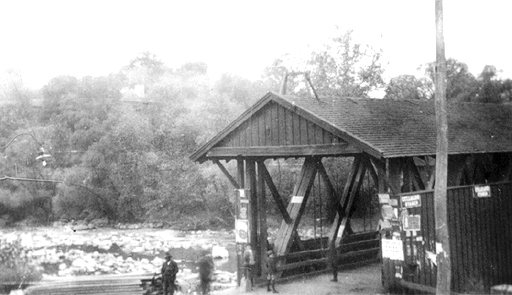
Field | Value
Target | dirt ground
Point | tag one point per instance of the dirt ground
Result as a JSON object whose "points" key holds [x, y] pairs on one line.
{"points": [[362, 280]]}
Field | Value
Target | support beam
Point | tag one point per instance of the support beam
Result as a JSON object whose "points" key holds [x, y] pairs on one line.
{"points": [[388, 266], [253, 212], [393, 174], [296, 206], [407, 185], [358, 180], [457, 163], [416, 179], [373, 173], [506, 176], [275, 194], [333, 232], [226, 173], [333, 195], [432, 180], [385, 177], [240, 172], [262, 214], [298, 241], [283, 151]]}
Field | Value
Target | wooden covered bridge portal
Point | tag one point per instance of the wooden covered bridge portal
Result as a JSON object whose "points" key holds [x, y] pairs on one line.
{"points": [[391, 142]]}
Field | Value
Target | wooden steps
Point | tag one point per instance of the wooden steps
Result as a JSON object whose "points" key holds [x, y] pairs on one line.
{"points": [[91, 285]]}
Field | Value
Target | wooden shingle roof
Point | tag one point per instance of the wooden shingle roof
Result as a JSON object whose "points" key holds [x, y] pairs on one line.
{"points": [[396, 128]]}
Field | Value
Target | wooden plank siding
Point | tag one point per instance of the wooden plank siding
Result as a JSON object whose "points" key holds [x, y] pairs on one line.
{"points": [[276, 126], [480, 240]]}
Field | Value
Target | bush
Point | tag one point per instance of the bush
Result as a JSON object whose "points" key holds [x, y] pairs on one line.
{"points": [[15, 268]]}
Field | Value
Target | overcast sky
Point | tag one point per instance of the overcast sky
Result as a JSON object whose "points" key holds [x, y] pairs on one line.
{"points": [[44, 39]]}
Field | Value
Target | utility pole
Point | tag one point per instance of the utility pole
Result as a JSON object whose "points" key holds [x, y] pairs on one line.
{"points": [[440, 200]]}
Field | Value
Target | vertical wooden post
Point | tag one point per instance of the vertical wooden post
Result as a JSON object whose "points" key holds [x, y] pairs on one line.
{"points": [[407, 177], [239, 247], [394, 176], [440, 201], [388, 267], [262, 206], [253, 215]]}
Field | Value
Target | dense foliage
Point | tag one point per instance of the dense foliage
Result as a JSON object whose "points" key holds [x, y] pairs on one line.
{"points": [[16, 268], [462, 86], [120, 144]]}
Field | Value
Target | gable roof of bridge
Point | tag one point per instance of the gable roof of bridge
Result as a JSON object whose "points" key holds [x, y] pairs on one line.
{"points": [[383, 128]]}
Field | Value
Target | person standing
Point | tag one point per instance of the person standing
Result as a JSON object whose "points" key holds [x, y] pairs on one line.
{"points": [[248, 265], [206, 266], [169, 271], [332, 259], [272, 271]]}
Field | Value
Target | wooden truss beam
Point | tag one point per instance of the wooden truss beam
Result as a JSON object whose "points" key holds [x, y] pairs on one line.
{"points": [[283, 151], [417, 181], [353, 184], [275, 193], [296, 206], [333, 194], [226, 173]]}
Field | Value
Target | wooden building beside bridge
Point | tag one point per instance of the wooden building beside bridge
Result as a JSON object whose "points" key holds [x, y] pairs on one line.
{"points": [[393, 144]]}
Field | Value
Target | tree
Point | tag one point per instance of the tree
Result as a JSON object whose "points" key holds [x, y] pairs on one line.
{"points": [[461, 84], [341, 67], [346, 68], [491, 89], [15, 100], [144, 70], [405, 87]]}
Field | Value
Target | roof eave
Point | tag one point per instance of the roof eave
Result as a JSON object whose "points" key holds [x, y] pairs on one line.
{"points": [[200, 154]]}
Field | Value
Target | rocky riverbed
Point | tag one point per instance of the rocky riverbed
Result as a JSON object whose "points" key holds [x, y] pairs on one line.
{"points": [[67, 251]]}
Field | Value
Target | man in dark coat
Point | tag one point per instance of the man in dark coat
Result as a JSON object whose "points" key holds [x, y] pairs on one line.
{"points": [[169, 271], [206, 266]]}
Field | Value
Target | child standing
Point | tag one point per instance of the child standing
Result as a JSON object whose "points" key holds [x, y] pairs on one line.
{"points": [[272, 271]]}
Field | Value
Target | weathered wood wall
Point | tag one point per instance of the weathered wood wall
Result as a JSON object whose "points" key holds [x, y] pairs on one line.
{"points": [[275, 125], [480, 240]]}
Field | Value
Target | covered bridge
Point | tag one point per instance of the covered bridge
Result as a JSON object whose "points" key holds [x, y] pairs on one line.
{"points": [[393, 144]]}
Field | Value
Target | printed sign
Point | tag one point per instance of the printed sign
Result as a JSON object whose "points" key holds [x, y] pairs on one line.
{"points": [[412, 201], [482, 191], [244, 209], [383, 198], [241, 231], [412, 222], [387, 212], [393, 249], [297, 199]]}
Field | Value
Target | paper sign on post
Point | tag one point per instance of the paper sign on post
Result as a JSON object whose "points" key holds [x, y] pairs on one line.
{"points": [[241, 231], [297, 199], [482, 191], [393, 249], [412, 201], [383, 198]]}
